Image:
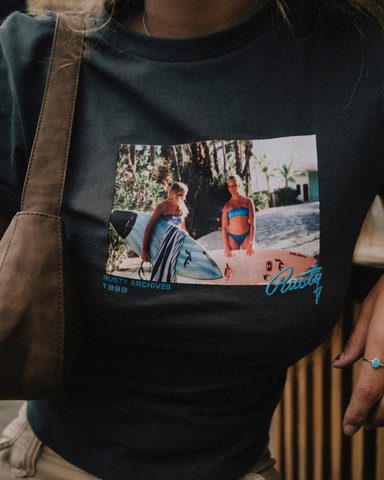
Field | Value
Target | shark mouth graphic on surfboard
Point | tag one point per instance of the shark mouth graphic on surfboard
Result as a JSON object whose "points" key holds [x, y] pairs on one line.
{"points": [[196, 264]]}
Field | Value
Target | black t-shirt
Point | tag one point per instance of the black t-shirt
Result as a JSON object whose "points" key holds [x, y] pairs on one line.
{"points": [[181, 379], [9, 6]]}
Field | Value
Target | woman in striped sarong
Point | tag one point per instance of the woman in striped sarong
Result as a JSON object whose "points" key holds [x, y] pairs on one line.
{"points": [[173, 211]]}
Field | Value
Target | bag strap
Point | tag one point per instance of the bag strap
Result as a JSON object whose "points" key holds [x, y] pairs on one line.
{"points": [[44, 181]]}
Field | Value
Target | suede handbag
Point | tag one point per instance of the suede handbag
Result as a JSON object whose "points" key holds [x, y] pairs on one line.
{"points": [[39, 321]]}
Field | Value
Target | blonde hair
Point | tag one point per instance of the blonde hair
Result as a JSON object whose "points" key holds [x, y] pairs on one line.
{"points": [[176, 188], [236, 177], [238, 181]]}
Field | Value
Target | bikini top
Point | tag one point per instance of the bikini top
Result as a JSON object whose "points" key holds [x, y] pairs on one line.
{"points": [[173, 219], [237, 212]]}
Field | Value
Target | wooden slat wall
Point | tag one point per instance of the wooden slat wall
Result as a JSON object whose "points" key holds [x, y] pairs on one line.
{"points": [[336, 407], [380, 454], [308, 442]]}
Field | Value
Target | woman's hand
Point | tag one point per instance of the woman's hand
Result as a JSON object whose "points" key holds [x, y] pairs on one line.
{"points": [[228, 252], [366, 407], [250, 250], [146, 256]]}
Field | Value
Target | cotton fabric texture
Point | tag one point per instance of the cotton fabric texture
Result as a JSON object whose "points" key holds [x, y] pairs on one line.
{"points": [[180, 380], [22, 455]]}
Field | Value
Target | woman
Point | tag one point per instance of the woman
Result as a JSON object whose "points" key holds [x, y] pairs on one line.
{"points": [[238, 220], [182, 383], [173, 211]]}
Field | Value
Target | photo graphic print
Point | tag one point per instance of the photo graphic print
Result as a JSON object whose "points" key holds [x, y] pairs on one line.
{"points": [[216, 212]]}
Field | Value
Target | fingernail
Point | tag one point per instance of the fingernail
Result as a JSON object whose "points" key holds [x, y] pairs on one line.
{"points": [[350, 430], [337, 359]]}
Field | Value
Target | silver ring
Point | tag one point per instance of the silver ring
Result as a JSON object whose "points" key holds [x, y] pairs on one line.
{"points": [[375, 362]]}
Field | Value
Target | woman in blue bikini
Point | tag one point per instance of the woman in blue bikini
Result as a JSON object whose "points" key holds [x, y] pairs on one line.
{"points": [[238, 220]]}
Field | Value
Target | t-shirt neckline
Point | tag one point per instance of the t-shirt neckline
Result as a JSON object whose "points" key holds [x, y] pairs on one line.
{"points": [[191, 49]]}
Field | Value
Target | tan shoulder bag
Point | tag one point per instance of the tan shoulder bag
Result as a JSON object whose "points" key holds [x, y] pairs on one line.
{"points": [[39, 327]]}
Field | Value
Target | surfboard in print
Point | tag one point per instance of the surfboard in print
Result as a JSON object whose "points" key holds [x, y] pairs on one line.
{"points": [[192, 261]]}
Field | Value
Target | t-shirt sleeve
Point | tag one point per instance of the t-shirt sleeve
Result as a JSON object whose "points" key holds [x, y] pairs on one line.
{"points": [[25, 46]]}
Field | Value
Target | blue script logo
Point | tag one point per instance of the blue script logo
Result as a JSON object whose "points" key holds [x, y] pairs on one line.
{"points": [[286, 284]]}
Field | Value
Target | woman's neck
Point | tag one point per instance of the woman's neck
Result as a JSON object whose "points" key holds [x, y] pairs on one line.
{"points": [[190, 18]]}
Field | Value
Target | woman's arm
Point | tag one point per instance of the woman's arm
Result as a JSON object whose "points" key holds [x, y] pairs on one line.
{"points": [[224, 231], [251, 217], [146, 256]]}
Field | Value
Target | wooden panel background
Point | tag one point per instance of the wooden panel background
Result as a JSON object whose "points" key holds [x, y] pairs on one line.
{"points": [[308, 442]]}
